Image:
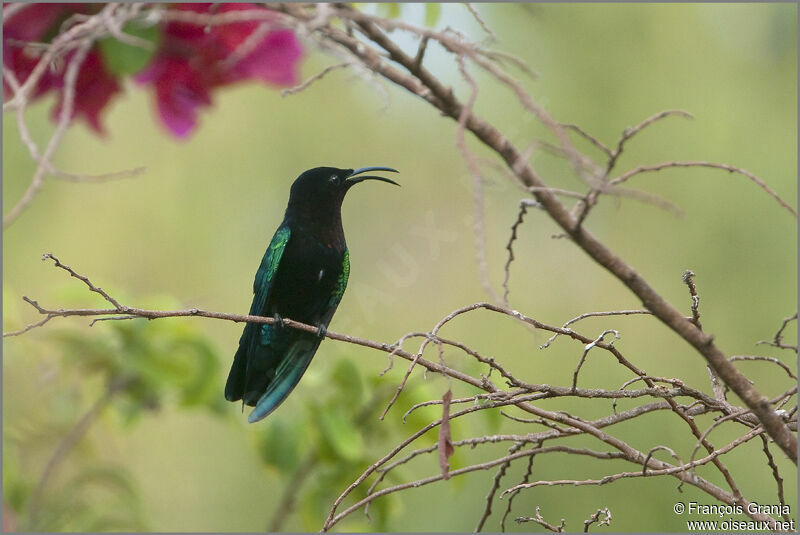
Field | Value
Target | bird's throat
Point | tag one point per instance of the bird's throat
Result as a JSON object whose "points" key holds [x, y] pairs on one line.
{"points": [[324, 223]]}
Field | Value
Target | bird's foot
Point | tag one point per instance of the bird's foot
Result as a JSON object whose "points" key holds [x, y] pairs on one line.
{"points": [[322, 331], [278, 323]]}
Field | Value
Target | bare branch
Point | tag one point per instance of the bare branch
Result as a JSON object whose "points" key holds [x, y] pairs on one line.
{"points": [[730, 168], [479, 225], [301, 87], [679, 470], [487, 511], [542, 522], [445, 445], [85, 280], [688, 280], [523, 209], [593, 140], [525, 479], [606, 521], [482, 23], [775, 473], [79, 37], [766, 359], [594, 315], [655, 449], [589, 346], [629, 132], [64, 118], [777, 340]]}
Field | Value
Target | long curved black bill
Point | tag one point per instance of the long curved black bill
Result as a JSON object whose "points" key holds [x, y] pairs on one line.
{"points": [[351, 180]]}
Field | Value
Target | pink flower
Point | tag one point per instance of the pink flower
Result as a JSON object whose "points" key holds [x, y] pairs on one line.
{"points": [[191, 62], [94, 87]]}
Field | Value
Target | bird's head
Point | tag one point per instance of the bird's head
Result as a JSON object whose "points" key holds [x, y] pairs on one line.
{"points": [[325, 187]]}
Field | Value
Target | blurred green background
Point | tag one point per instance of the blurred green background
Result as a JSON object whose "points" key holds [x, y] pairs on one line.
{"points": [[168, 454]]}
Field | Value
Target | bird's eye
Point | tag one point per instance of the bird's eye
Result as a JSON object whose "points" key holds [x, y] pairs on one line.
{"points": [[334, 179]]}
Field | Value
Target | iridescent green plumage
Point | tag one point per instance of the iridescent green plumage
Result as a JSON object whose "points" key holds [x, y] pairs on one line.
{"points": [[268, 268], [341, 284]]}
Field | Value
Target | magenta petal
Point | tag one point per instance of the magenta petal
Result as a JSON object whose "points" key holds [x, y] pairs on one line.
{"points": [[178, 120], [180, 93], [275, 59], [150, 73], [94, 89]]}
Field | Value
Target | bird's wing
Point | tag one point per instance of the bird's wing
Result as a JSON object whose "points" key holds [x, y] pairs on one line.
{"points": [[234, 388], [269, 266]]}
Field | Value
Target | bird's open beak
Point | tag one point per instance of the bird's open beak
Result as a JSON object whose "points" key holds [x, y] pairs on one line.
{"points": [[351, 181]]}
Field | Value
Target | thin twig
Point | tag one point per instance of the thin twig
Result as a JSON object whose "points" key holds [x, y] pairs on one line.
{"points": [[682, 469], [777, 340], [606, 521], [593, 315], [775, 474], [525, 479], [593, 140], [773, 360], [523, 209], [688, 280], [730, 168], [586, 350], [83, 279], [482, 23], [302, 86], [479, 225], [487, 511], [542, 522], [64, 118]]}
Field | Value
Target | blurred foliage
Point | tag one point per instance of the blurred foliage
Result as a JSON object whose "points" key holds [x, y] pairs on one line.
{"points": [[194, 227], [139, 367], [123, 59], [343, 443]]}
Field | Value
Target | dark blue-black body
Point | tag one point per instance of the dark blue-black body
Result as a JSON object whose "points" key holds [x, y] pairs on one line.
{"points": [[302, 276]]}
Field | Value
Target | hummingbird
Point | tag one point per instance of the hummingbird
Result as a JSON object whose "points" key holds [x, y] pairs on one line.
{"points": [[302, 276]]}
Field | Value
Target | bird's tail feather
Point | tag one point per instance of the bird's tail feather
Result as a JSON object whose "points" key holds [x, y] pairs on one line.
{"points": [[286, 377], [234, 387]]}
